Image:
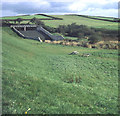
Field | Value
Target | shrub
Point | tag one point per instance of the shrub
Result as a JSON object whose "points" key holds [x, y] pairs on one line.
{"points": [[80, 35], [19, 20], [50, 29], [61, 43], [94, 39], [38, 22], [105, 46], [84, 44], [33, 20]]}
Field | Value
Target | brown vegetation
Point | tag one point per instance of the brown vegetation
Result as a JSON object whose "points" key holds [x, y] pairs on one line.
{"points": [[101, 44]]}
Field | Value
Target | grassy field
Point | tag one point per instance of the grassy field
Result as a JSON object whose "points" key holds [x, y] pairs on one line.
{"points": [[101, 17], [108, 18], [25, 17], [68, 19], [66, 37], [45, 79]]}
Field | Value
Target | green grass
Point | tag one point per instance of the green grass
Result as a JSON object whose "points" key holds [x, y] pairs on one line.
{"points": [[66, 37], [38, 76], [25, 17], [102, 17], [22, 22], [108, 18], [67, 19], [71, 38]]}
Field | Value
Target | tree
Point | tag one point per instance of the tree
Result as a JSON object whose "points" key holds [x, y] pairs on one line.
{"points": [[15, 21], [6, 21], [38, 22], [94, 39], [19, 20], [33, 20], [61, 29], [50, 29], [80, 35]]}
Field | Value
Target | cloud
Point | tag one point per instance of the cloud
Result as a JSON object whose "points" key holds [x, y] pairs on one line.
{"points": [[8, 13], [85, 4], [87, 1], [26, 7], [101, 12], [77, 7], [89, 7], [94, 7], [18, 1]]}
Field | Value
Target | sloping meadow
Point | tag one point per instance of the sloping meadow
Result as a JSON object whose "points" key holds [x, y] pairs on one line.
{"points": [[43, 78]]}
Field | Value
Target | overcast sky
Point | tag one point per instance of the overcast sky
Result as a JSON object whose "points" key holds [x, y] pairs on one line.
{"points": [[85, 7]]}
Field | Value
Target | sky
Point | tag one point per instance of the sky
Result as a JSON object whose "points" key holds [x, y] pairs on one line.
{"points": [[108, 8]]}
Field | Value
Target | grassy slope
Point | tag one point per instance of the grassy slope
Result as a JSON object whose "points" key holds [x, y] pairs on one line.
{"points": [[24, 17], [67, 19], [81, 21], [35, 76], [109, 18]]}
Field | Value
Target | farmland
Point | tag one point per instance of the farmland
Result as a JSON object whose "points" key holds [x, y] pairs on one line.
{"points": [[45, 79], [109, 18], [69, 19], [25, 17]]}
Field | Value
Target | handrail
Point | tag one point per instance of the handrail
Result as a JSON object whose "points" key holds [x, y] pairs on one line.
{"points": [[18, 31], [23, 26]]}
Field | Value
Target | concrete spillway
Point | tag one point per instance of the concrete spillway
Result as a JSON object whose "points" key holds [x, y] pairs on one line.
{"points": [[34, 32]]}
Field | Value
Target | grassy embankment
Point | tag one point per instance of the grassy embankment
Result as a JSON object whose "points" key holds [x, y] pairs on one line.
{"points": [[44, 78]]}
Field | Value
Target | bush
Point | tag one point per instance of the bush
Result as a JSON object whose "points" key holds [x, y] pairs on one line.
{"points": [[19, 20], [94, 39], [80, 35], [50, 29], [84, 44]]}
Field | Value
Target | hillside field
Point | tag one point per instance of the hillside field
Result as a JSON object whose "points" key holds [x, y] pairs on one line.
{"points": [[109, 18], [69, 19], [43, 78], [25, 17]]}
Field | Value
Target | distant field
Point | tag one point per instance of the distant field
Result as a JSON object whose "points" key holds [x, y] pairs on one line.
{"points": [[45, 79], [81, 21], [98, 17], [25, 17], [110, 18], [69, 19]]}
